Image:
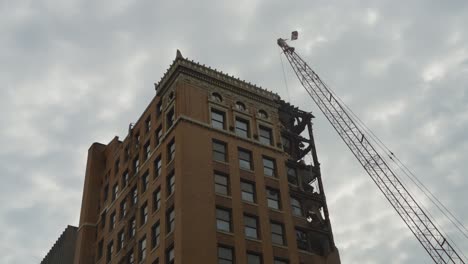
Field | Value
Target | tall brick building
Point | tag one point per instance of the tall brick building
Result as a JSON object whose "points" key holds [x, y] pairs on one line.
{"points": [[215, 170]]}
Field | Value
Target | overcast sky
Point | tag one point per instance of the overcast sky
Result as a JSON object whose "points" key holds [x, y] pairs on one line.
{"points": [[77, 72]]}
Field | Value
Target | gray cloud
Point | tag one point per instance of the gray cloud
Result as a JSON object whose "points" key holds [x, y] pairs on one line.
{"points": [[75, 72]]}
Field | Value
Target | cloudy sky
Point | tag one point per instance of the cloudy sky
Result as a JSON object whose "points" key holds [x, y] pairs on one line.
{"points": [[77, 72]]}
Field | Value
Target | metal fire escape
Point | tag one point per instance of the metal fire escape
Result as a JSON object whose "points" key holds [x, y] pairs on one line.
{"points": [[433, 241]]}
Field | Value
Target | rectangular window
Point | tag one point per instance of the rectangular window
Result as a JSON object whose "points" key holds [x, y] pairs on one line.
{"points": [[100, 249], [221, 183], [277, 233], [170, 255], [112, 221], [147, 150], [219, 151], [105, 192], [245, 159], [136, 165], [269, 166], [121, 240], [170, 183], [273, 198], [127, 153], [144, 213], [125, 178], [280, 261], [292, 175], [116, 166], [148, 124], [254, 258], [110, 251], [132, 228], [170, 151], [170, 117], [142, 249], [157, 167], [296, 207], [286, 143], [103, 219], [131, 258], [137, 139], [156, 199], [266, 135], [145, 181], [159, 108], [242, 127], [155, 233], [251, 226], [225, 255], [248, 191], [115, 191], [159, 134], [301, 239], [218, 119], [170, 220], [223, 219], [134, 196]]}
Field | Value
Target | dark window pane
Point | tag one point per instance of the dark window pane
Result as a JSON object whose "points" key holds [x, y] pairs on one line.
{"points": [[242, 128], [253, 259], [266, 136], [221, 184]]}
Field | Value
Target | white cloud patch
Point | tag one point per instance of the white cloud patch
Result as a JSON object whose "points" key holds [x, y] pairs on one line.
{"points": [[76, 72]]}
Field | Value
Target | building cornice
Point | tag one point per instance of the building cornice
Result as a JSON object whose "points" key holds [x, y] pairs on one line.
{"points": [[214, 77]]}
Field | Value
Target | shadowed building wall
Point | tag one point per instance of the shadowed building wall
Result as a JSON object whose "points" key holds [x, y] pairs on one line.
{"points": [[64, 248]]}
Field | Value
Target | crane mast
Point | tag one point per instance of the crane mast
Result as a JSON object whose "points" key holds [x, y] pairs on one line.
{"points": [[433, 241]]}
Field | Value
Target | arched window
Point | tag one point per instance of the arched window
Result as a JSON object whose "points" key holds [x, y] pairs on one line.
{"points": [[262, 114], [217, 97], [240, 106]]}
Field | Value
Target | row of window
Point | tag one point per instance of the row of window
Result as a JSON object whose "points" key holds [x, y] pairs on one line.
{"points": [[248, 193], [226, 256], [124, 204], [239, 105], [242, 127], [252, 229], [145, 177], [142, 251], [131, 232], [246, 161]]}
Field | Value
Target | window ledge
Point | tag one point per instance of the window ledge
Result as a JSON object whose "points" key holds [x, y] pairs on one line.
{"points": [[221, 162], [276, 210], [142, 226], [170, 196], [253, 239], [272, 177], [280, 246], [155, 248], [170, 161], [247, 170], [251, 203], [305, 252], [169, 234], [223, 195], [224, 232]]}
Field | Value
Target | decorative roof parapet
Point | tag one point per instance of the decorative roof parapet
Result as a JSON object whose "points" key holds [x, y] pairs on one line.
{"points": [[213, 73]]}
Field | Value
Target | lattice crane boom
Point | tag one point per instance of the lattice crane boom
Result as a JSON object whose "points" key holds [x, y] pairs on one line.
{"points": [[433, 241]]}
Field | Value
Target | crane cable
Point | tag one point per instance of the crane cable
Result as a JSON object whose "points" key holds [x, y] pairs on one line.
{"points": [[284, 75], [406, 171]]}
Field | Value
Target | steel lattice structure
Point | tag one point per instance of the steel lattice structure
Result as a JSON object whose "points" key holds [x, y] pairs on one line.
{"points": [[433, 241]]}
